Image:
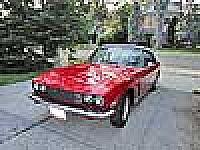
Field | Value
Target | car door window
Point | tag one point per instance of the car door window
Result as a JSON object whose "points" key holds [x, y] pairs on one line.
{"points": [[148, 58]]}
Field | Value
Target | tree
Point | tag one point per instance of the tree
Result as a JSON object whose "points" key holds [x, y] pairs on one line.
{"points": [[117, 25], [63, 24]]}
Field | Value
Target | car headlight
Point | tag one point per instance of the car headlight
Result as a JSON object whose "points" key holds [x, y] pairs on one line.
{"points": [[92, 99], [36, 86], [39, 87], [42, 87]]}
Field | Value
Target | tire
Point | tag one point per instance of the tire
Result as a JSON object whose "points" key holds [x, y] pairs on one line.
{"points": [[36, 102], [154, 85], [131, 93], [122, 112], [134, 100]]}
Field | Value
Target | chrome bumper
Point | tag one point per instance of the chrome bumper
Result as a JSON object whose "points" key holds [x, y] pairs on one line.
{"points": [[79, 111]]}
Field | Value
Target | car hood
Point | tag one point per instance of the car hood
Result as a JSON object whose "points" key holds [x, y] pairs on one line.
{"points": [[86, 78]]}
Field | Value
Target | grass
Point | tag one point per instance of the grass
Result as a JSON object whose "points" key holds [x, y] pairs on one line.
{"points": [[6, 79], [180, 51], [189, 50]]}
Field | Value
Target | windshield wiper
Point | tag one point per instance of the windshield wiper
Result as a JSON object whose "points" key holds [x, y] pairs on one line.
{"points": [[132, 64], [114, 63]]}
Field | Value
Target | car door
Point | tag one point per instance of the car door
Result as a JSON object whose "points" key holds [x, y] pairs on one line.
{"points": [[150, 65], [142, 86], [144, 81]]}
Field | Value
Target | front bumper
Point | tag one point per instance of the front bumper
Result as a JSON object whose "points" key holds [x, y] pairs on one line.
{"points": [[71, 109]]}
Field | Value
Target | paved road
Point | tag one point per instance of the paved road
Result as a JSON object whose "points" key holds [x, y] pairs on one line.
{"points": [[163, 121], [182, 61]]}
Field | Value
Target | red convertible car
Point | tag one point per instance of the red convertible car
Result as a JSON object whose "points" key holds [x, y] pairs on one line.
{"points": [[115, 77]]}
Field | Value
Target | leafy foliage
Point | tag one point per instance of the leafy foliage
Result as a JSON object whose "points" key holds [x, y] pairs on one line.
{"points": [[64, 23]]}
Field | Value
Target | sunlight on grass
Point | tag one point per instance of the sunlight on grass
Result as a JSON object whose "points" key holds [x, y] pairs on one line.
{"points": [[181, 52], [13, 78]]}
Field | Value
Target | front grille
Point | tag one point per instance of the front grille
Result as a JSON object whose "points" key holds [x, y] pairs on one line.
{"points": [[53, 92], [61, 95], [58, 96], [72, 96]]}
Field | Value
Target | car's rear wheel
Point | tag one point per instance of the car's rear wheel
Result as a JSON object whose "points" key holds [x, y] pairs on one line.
{"points": [[154, 84], [121, 115]]}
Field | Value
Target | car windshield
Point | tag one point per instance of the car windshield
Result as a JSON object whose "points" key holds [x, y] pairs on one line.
{"points": [[121, 56]]}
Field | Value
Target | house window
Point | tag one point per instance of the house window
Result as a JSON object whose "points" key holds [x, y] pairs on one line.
{"points": [[37, 4]]}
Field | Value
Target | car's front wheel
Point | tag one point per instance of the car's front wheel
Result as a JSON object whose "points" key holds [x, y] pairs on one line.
{"points": [[121, 115]]}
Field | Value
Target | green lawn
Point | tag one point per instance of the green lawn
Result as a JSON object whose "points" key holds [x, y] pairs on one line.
{"points": [[180, 51], [189, 50], [13, 78]]}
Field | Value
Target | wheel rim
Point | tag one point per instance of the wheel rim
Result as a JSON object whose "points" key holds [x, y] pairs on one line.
{"points": [[125, 108]]}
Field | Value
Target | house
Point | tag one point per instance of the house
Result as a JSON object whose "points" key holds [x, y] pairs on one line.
{"points": [[146, 24], [164, 22], [180, 23]]}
